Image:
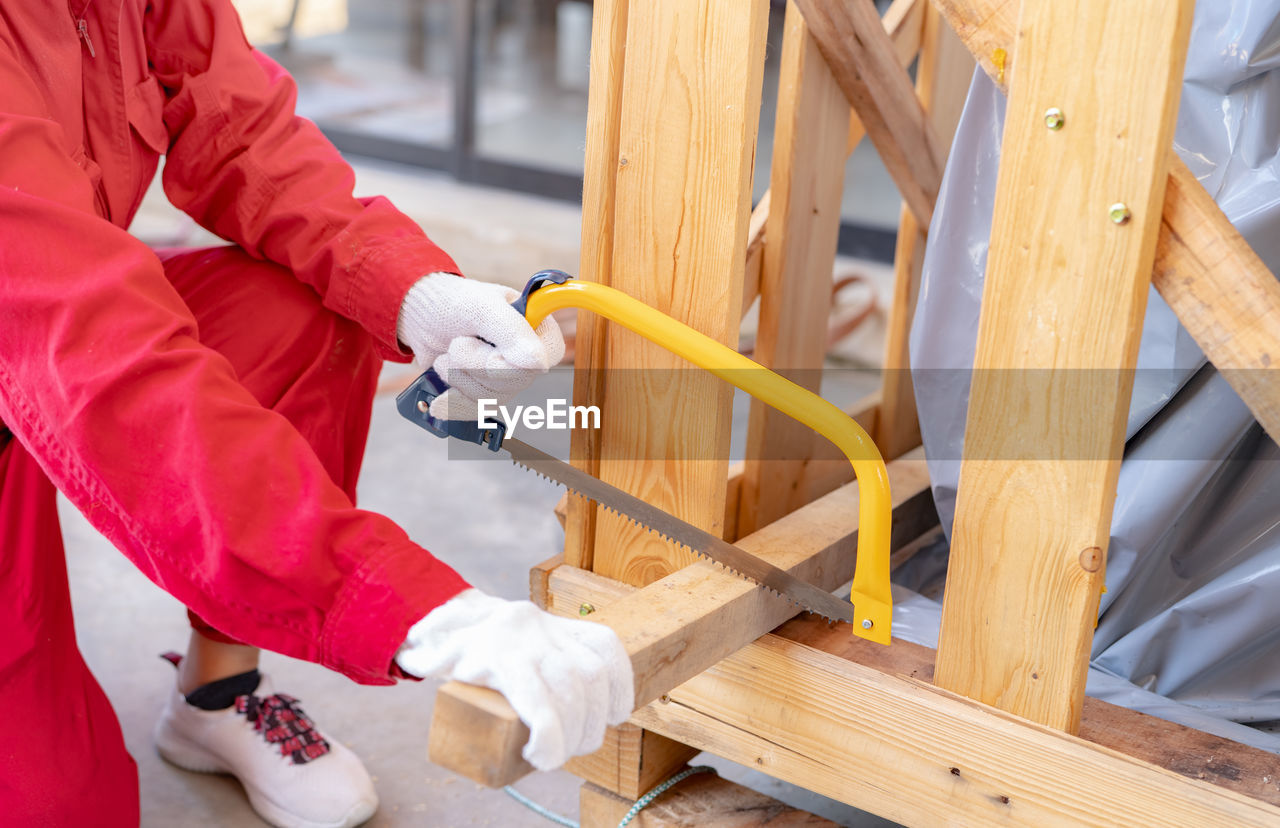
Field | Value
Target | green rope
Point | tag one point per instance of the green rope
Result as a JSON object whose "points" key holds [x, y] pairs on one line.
{"points": [[545, 813], [644, 801], [641, 803]]}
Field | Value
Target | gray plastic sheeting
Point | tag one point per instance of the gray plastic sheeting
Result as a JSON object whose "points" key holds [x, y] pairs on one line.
{"points": [[1190, 624]]}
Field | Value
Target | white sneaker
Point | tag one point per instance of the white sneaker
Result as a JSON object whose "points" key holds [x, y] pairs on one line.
{"points": [[295, 777]]}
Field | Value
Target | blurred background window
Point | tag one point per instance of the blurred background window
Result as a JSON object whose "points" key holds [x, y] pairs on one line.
{"points": [[495, 93]]}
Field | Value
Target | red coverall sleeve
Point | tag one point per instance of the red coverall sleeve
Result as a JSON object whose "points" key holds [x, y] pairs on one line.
{"points": [[247, 168], [216, 499]]}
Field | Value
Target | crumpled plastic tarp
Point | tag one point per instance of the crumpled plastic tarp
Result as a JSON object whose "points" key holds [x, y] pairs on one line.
{"points": [[1190, 623]]}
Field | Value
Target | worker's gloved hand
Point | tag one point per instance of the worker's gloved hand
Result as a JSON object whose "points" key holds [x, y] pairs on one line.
{"points": [[565, 678], [440, 319]]}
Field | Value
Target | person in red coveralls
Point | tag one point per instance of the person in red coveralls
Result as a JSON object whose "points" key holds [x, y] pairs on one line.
{"points": [[206, 410]]}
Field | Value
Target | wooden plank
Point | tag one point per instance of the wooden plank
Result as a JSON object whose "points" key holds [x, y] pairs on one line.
{"points": [[941, 80], [814, 755], [862, 60], [1184, 751], [826, 471], [986, 27], [599, 187], [918, 755], [703, 800], [478, 736], [680, 625], [677, 626], [1188, 752], [538, 575], [732, 497], [1062, 308], [902, 22], [755, 252], [807, 188], [691, 100], [1224, 295], [632, 762]]}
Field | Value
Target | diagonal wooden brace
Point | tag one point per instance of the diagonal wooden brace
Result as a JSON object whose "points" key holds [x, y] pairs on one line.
{"points": [[682, 624], [863, 62]]}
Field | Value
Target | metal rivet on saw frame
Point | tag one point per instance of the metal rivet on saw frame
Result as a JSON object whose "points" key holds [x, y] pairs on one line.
{"points": [[1053, 118], [586, 609], [1119, 213], [423, 406], [866, 624]]}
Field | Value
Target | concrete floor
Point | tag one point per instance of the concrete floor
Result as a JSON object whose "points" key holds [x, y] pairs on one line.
{"points": [[445, 502]]}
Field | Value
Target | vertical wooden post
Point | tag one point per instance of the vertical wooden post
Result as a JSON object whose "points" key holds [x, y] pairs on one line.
{"points": [[600, 169], [1065, 294], [690, 108], [665, 201], [806, 183], [942, 76]]}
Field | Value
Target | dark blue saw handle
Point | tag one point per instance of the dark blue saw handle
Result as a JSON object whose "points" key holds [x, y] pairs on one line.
{"points": [[414, 402]]}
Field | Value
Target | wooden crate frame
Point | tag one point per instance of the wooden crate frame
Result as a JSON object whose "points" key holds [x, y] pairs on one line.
{"points": [[1001, 731]]}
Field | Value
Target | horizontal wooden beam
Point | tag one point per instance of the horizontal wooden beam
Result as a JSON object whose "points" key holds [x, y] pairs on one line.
{"points": [[678, 626], [812, 705], [1221, 291]]}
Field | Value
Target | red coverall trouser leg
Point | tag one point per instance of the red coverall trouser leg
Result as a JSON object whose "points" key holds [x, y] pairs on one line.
{"points": [[62, 756]]}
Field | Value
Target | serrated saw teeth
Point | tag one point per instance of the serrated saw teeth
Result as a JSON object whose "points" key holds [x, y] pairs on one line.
{"points": [[706, 546]]}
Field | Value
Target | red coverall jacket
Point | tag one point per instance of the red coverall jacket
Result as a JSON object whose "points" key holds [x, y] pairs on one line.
{"points": [[215, 498]]}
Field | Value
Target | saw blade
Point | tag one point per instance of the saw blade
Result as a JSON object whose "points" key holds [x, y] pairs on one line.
{"points": [[665, 525]]}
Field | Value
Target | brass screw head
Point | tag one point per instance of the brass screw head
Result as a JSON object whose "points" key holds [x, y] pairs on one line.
{"points": [[1053, 118], [1119, 213], [866, 624], [423, 406], [586, 609]]}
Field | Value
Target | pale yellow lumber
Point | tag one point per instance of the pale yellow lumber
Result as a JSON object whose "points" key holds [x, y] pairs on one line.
{"points": [[814, 705], [902, 22], [683, 623], [1189, 753], [755, 252], [538, 575], [1224, 295], [476, 734], [921, 756], [703, 800], [600, 165], [864, 64], [631, 763], [942, 76], [690, 103], [825, 471], [807, 187], [1062, 309]]}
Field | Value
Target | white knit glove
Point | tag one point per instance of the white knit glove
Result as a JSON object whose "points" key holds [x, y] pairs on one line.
{"points": [[565, 678], [440, 319]]}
